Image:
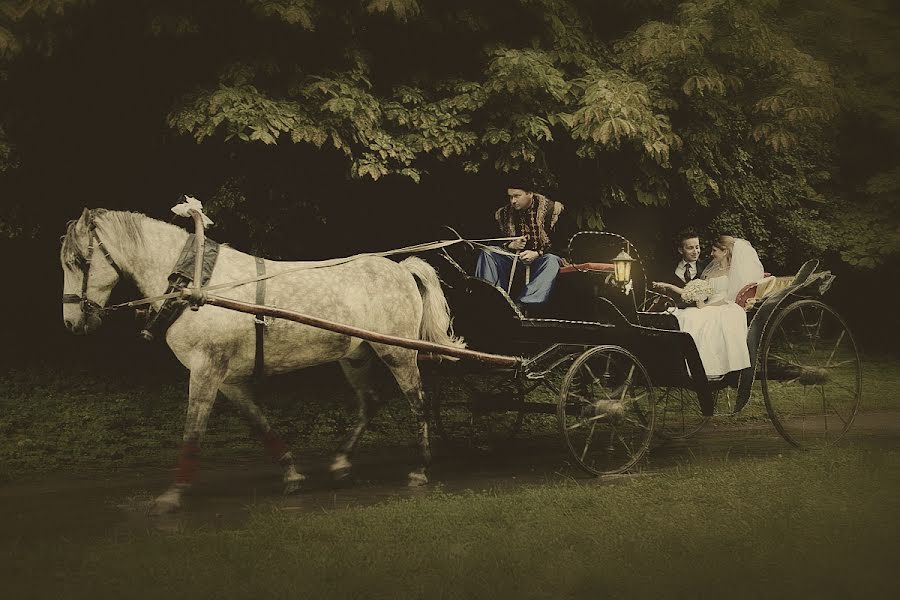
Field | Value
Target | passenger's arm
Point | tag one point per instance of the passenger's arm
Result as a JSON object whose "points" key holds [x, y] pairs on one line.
{"points": [[662, 285]]}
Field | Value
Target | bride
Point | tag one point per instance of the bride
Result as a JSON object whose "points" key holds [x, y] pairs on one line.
{"points": [[718, 325]]}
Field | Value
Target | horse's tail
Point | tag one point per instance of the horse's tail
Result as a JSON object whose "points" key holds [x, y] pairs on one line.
{"points": [[436, 325]]}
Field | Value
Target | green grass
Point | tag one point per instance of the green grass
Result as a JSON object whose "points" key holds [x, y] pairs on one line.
{"points": [[79, 418], [84, 419], [806, 526]]}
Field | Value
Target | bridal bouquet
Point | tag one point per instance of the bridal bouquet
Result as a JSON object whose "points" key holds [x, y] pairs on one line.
{"points": [[696, 289]]}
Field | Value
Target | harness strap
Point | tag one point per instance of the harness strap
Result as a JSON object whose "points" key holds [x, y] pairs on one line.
{"points": [[88, 305], [260, 321], [302, 267]]}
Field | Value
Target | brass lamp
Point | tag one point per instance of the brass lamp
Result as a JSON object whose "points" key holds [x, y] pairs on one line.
{"points": [[622, 263]]}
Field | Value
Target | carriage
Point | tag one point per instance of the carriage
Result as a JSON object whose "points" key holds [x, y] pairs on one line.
{"points": [[607, 359]]}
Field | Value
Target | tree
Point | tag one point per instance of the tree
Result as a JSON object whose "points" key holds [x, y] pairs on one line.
{"points": [[718, 107]]}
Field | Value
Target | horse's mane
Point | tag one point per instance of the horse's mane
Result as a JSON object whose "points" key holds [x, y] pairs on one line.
{"points": [[112, 225]]}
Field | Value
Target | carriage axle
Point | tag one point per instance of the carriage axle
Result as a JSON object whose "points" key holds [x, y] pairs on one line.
{"points": [[804, 375]]}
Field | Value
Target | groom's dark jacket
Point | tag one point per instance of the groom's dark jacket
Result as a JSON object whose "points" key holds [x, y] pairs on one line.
{"points": [[671, 277]]}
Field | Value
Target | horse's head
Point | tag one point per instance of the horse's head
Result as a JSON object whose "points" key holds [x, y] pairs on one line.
{"points": [[89, 274]]}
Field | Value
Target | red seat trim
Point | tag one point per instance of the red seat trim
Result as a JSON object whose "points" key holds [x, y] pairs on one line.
{"points": [[589, 266], [747, 292]]}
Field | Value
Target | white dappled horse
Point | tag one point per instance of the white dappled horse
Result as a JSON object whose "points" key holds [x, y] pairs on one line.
{"points": [[218, 345]]}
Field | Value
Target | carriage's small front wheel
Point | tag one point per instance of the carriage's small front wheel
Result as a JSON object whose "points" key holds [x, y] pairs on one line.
{"points": [[810, 374], [606, 410]]}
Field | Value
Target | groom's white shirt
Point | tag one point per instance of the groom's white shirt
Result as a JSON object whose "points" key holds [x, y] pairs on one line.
{"points": [[679, 270]]}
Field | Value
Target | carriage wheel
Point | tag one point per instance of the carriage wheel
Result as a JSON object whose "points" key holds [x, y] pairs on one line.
{"points": [[811, 379], [606, 410], [678, 415], [480, 410]]}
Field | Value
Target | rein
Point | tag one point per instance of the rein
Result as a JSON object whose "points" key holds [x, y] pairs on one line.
{"points": [[314, 265], [88, 306]]}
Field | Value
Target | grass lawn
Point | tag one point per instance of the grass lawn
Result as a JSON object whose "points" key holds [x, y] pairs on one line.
{"points": [[807, 525], [812, 525], [80, 418]]}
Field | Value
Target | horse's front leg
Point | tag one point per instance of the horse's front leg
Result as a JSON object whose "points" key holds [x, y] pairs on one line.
{"points": [[242, 396], [205, 380]]}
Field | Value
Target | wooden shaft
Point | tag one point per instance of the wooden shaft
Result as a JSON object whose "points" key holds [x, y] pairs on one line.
{"points": [[371, 336], [199, 239]]}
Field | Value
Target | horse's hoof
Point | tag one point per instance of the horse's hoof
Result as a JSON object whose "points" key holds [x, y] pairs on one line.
{"points": [[169, 501], [417, 479], [341, 475], [340, 468], [292, 485], [165, 504], [292, 480]]}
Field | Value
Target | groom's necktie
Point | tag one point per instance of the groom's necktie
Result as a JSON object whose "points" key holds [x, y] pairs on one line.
{"points": [[687, 272]]}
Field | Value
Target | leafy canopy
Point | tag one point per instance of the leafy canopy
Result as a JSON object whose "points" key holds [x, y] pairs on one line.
{"points": [[726, 107]]}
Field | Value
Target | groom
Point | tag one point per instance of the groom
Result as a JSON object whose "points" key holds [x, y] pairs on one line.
{"points": [[690, 266]]}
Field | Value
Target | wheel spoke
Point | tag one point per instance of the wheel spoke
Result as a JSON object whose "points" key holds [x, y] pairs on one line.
{"points": [[627, 384], [819, 323], [833, 350], [787, 341], [841, 364], [593, 377], [634, 401], [784, 359], [591, 420], [587, 442], [624, 443], [637, 423], [845, 388], [835, 411], [807, 329]]}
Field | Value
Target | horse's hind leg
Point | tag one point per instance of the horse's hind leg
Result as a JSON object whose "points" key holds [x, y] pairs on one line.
{"points": [[357, 367], [206, 376], [242, 397], [403, 366]]}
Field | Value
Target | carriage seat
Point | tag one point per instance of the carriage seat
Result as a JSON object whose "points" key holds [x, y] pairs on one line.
{"points": [[592, 267], [753, 293]]}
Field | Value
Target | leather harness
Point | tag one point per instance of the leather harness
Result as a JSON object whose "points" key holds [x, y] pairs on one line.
{"points": [[87, 305], [159, 321], [260, 321]]}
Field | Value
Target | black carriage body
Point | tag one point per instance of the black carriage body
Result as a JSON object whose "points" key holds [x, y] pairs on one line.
{"points": [[593, 322], [490, 322], [588, 309]]}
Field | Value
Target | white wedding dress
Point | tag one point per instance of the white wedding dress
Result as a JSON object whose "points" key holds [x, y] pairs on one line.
{"points": [[720, 332]]}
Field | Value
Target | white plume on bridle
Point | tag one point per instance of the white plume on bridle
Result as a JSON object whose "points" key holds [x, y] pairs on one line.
{"points": [[190, 203]]}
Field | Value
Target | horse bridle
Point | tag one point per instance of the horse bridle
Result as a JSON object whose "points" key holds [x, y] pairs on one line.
{"points": [[88, 306]]}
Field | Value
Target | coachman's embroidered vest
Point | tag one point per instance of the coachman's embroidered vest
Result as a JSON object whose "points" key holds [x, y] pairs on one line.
{"points": [[537, 222]]}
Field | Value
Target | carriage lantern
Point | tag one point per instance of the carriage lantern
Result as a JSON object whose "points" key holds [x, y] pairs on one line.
{"points": [[622, 263]]}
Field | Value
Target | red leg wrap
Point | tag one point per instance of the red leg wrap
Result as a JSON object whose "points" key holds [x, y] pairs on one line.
{"points": [[187, 463], [274, 445]]}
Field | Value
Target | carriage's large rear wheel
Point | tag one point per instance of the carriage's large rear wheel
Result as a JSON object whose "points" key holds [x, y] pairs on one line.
{"points": [[606, 410], [810, 373]]}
